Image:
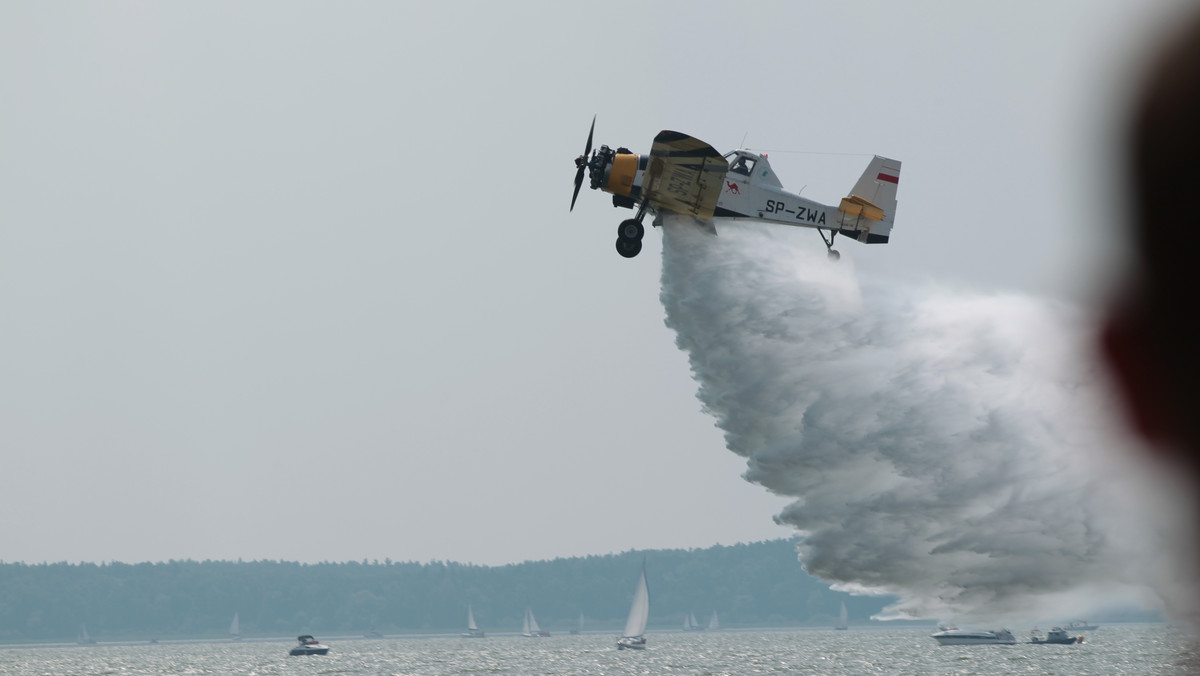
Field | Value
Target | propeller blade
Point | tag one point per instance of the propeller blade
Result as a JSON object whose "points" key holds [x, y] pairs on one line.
{"points": [[578, 185], [587, 150], [581, 162]]}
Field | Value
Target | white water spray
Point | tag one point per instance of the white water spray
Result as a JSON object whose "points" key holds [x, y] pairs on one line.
{"points": [[932, 438]]}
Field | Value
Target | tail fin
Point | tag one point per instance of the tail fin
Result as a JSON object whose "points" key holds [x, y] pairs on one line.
{"points": [[868, 213]]}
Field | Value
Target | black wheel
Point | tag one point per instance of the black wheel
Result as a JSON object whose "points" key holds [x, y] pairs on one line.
{"points": [[834, 255], [631, 230], [628, 247]]}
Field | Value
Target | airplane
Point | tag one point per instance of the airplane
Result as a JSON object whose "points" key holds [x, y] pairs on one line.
{"points": [[684, 175]]}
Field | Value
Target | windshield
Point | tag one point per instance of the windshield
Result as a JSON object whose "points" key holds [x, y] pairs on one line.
{"points": [[742, 165]]}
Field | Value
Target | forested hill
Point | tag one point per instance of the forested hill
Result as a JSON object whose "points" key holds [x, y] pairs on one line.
{"points": [[759, 584]]}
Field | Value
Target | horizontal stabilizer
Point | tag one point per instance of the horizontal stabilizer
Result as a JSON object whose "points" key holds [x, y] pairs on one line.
{"points": [[857, 206], [868, 212]]}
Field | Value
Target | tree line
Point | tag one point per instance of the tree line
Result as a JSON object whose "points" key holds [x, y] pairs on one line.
{"points": [[756, 584]]}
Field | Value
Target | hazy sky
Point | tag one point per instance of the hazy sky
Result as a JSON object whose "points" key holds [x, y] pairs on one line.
{"points": [[298, 281]]}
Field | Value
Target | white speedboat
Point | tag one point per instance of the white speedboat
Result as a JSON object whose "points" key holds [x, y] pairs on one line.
{"points": [[962, 637], [308, 646], [634, 636]]}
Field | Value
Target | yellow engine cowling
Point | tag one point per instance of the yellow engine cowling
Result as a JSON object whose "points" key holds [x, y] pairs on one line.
{"points": [[621, 174]]}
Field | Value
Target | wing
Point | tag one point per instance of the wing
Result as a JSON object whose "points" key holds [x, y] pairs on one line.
{"points": [[684, 176]]}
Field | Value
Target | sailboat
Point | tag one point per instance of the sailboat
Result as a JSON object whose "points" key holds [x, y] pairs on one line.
{"points": [[531, 628], [580, 629], [634, 636], [713, 624], [472, 628], [235, 633], [83, 638], [842, 618]]}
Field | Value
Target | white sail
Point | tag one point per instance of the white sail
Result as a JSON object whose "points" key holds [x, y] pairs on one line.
{"points": [[713, 624], [842, 618], [639, 610], [234, 630], [525, 630], [533, 625], [472, 628]]}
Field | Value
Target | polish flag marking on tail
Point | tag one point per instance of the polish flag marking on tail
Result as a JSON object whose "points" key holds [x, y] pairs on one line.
{"points": [[889, 179]]}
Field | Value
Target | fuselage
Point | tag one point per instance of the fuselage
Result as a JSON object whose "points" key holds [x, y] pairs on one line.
{"points": [[750, 189]]}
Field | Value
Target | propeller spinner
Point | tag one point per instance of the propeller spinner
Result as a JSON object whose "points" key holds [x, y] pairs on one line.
{"points": [[581, 163]]}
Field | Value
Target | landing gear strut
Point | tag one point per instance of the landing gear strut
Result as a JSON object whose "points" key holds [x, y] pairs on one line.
{"points": [[833, 254], [630, 233]]}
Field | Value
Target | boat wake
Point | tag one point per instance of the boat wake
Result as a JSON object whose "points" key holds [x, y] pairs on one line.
{"points": [[932, 439]]}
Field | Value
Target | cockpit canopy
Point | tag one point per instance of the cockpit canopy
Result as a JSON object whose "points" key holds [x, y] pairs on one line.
{"points": [[741, 162], [753, 167]]}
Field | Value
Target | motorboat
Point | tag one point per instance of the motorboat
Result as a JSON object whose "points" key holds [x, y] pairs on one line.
{"points": [[308, 646], [963, 637], [1056, 635], [634, 636], [473, 630]]}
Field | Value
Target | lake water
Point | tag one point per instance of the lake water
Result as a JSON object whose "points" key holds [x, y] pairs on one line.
{"points": [[1129, 649]]}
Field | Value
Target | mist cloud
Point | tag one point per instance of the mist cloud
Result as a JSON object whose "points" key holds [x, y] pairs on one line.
{"points": [[934, 439]]}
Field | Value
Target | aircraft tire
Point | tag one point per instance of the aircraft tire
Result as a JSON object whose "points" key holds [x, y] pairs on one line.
{"points": [[834, 255], [628, 248], [631, 229]]}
